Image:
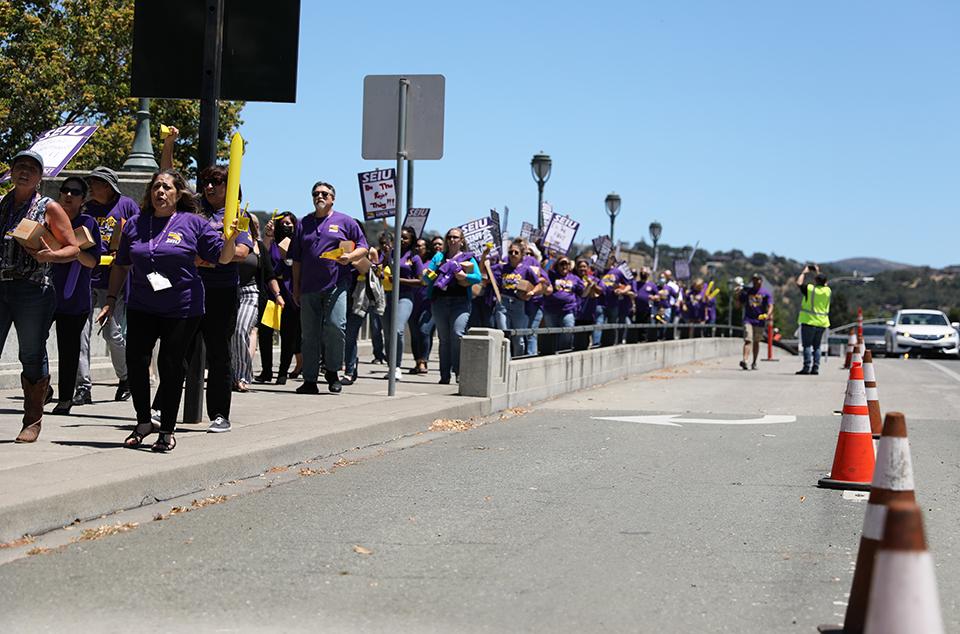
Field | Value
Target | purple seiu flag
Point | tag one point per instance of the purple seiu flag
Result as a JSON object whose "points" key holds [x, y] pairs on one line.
{"points": [[58, 146], [378, 193]]}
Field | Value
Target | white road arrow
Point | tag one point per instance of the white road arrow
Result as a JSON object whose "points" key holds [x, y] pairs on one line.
{"points": [[674, 420]]}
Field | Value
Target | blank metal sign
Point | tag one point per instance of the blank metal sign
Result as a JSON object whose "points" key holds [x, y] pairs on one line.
{"points": [[425, 96]]}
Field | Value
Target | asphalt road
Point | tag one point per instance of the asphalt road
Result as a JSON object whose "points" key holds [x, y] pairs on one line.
{"points": [[550, 521]]}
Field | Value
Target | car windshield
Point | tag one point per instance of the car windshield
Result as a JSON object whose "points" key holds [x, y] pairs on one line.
{"points": [[874, 331], [923, 319]]}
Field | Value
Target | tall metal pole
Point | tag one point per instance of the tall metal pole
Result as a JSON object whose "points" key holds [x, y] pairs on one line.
{"points": [[540, 205], [612, 219], [409, 184], [395, 294], [210, 84], [141, 157], [656, 256]]}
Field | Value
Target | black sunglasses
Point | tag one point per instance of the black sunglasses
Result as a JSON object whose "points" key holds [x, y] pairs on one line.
{"points": [[514, 252], [74, 191], [323, 195], [214, 182]]}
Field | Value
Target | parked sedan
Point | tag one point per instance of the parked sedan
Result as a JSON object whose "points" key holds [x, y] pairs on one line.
{"points": [[917, 331], [874, 338]]}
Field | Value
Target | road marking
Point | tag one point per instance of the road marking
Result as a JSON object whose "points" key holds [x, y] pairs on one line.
{"points": [[946, 371], [674, 420]]}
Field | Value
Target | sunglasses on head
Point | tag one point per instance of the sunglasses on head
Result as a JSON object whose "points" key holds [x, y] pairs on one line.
{"points": [[73, 191]]}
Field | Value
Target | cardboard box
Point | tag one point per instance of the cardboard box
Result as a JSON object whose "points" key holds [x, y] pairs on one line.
{"points": [[284, 245], [524, 286], [34, 235], [84, 239], [114, 245]]}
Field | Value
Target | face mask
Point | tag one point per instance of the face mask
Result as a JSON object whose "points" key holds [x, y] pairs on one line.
{"points": [[663, 280], [283, 231]]}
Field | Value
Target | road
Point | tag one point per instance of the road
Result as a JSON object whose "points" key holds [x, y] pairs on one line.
{"points": [[550, 520]]}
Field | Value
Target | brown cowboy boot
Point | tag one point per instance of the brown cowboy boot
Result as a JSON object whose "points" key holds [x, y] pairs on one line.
{"points": [[34, 395]]}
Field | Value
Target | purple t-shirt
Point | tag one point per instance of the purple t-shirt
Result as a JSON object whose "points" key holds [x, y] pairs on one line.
{"points": [[510, 275], [566, 293], [108, 218], [77, 302], [609, 283], [283, 271], [314, 237], [645, 293], [587, 306], [223, 275], [168, 246], [411, 268], [755, 303], [535, 266]]}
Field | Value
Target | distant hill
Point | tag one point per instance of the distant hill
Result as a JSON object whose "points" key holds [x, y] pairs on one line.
{"points": [[868, 266]]}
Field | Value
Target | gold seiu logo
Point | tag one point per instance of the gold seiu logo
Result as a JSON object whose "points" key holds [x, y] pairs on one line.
{"points": [[173, 238]]}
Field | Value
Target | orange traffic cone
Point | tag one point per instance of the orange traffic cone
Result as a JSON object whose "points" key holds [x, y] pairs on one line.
{"points": [[873, 398], [853, 459], [892, 482], [903, 593], [851, 344]]}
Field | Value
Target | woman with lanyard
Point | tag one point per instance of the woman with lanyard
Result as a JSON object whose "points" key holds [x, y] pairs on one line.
{"points": [[519, 282], [277, 235], [256, 280], [27, 296], [411, 270], [159, 248], [74, 299], [451, 304]]}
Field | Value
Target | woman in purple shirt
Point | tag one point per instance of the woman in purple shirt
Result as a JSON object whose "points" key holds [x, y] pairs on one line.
{"points": [[280, 231], [519, 283], [411, 270], [72, 281], [561, 298], [158, 250]]}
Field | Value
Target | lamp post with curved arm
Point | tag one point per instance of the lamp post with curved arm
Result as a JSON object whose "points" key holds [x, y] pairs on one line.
{"points": [[612, 202], [655, 230]]}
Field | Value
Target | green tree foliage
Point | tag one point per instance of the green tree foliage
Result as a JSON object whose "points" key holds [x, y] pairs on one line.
{"points": [[68, 61]]}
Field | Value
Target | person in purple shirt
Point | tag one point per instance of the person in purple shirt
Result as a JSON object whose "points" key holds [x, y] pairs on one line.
{"points": [[321, 283], [587, 306], [71, 279], [275, 232], [561, 299], [520, 281], [158, 252], [111, 210], [614, 284], [411, 270], [646, 295], [534, 306], [757, 303]]}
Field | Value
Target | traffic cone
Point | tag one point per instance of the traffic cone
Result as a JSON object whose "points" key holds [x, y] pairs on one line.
{"points": [[903, 592], [873, 398], [853, 459], [851, 344], [892, 482]]}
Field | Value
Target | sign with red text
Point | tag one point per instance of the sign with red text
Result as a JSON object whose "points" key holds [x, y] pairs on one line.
{"points": [[378, 193]]}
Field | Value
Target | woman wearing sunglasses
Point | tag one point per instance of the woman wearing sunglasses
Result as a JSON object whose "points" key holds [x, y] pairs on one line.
{"points": [[563, 295], [450, 304], [519, 283], [280, 231], [72, 282]]}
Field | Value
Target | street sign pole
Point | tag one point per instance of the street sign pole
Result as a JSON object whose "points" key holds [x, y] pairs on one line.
{"points": [[210, 84], [395, 294]]}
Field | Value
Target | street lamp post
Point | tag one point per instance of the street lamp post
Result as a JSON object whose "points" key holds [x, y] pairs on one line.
{"points": [[141, 156], [613, 208], [540, 166], [655, 230]]}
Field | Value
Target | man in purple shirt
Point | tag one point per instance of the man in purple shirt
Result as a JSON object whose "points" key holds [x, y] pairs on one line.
{"points": [[321, 279], [757, 305], [110, 209]]}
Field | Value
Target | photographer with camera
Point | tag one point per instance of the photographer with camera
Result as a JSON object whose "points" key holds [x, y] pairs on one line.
{"points": [[814, 317]]}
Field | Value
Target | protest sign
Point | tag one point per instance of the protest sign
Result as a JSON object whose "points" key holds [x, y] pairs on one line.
{"points": [[560, 233], [497, 233], [478, 233], [526, 230], [417, 219], [378, 193], [546, 213], [625, 269], [58, 146], [602, 246], [681, 269]]}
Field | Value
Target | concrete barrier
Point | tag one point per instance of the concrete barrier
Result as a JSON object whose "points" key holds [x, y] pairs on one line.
{"points": [[486, 369]]}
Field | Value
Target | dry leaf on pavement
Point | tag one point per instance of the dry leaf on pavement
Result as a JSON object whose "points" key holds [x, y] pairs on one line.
{"points": [[360, 550], [447, 424]]}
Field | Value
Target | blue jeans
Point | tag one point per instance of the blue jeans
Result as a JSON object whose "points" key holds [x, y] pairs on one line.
{"points": [[511, 315], [611, 315], [560, 320], [354, 322], [451, 315], [427, 327], [598, 318], [323, 320], [535, 315], [376, 336], [810, 337], [403, 312], [29, 307]]}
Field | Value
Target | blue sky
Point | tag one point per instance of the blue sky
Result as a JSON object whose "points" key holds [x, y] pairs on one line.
{"points": [[817, 129]]}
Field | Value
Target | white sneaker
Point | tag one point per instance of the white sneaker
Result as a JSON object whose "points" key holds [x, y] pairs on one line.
{"points": [[397, 374], [219, 425]]}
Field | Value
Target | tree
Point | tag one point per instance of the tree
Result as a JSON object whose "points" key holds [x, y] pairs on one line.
{"points": [[68, 61]]}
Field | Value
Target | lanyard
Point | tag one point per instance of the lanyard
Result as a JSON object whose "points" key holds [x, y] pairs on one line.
{"points": [[154, 241]]}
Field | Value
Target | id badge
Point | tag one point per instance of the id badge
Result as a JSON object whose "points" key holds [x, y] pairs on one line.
{"points": [[158, 281]]}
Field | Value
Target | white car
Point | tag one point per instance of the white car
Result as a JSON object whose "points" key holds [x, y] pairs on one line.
{"points": [[921, 331]]}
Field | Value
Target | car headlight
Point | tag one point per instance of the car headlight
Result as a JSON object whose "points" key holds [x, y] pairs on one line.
{"points": [[901, 333]]}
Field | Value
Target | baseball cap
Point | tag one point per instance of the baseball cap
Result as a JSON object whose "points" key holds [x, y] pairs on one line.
{"points": [[107, 175], [30, 154], [756, 276]]}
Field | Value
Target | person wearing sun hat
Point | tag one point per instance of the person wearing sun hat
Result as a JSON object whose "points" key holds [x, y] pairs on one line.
{"points": [[27, 295], [110, 209]]}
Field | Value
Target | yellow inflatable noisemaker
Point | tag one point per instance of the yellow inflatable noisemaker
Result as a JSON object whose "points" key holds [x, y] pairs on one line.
{"points": [[232, 205]]}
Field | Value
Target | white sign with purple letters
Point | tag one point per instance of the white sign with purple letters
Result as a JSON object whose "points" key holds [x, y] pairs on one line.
{"points": [[58, 146]]}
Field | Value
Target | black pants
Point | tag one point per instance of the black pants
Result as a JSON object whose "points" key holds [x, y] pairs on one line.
{"points": [[176, 337], [69, 329], [290, 336]]}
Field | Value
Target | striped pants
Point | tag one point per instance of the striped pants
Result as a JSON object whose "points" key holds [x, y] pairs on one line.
{"points": [[240, 357]]}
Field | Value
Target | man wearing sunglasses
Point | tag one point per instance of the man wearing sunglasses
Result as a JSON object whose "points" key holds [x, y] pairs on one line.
{"points": [[110, 209], [320, 285]]}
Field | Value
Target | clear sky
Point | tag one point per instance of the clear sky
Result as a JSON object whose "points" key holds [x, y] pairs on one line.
{"points": [[817, 130]]}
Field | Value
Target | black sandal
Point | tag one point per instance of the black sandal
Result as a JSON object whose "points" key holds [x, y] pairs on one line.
{"points": [[135, 439], [166, 442]]}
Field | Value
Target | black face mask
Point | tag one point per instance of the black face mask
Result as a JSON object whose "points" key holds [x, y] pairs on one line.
{"points": [[283, 231]]}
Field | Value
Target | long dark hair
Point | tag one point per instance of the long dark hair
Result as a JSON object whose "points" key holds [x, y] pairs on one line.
{"points": [[187, 202]]}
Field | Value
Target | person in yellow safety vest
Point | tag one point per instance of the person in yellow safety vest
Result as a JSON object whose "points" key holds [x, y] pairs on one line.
{"points": [[814, 317]]}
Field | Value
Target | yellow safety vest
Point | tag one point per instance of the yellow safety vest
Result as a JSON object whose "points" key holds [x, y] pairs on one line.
{"points": [[815, 307]]}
